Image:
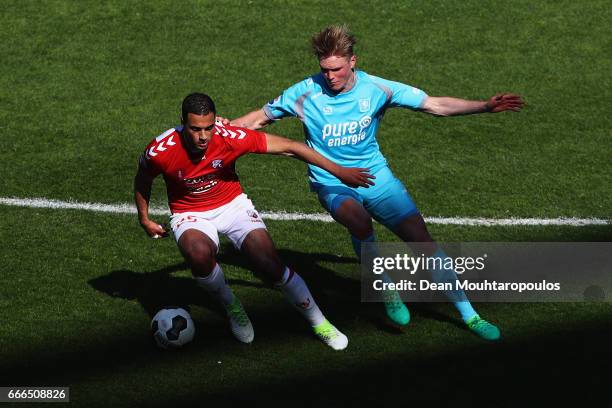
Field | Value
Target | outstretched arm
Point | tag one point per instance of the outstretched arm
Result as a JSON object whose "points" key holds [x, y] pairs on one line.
{"points": [[352, 177], [447, 106], [142, 195], [252, 120]]}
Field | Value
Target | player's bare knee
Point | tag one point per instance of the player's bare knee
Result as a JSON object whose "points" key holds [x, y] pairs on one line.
{"points": [[202, 264], [199, 254], [413, 229], [355, 218], [361, 227], [359, 223]]}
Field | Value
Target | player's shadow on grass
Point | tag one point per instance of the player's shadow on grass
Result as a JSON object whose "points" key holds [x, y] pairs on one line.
{"points": [[157, 289], [337, 295], [153, 290]]}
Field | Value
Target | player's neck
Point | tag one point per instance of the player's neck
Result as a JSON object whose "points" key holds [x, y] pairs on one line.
{"points": [[350, 84]]}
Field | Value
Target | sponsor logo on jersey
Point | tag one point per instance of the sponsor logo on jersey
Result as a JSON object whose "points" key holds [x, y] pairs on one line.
{"points": [[346, 133], [364, 105], [217, 164], [201, 184], [365, 122]]}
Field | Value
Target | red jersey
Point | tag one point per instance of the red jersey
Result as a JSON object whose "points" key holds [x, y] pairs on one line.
{"points": [[205, 184]]}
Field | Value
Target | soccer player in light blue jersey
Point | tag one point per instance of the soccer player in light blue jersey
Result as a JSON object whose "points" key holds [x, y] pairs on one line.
{"points": [[341, 109]]}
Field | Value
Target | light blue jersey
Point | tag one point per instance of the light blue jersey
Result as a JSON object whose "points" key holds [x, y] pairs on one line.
{"points": [[343, 126]]}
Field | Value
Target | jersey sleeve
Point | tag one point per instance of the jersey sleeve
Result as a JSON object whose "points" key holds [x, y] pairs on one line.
{"points": [[286, 104], [401, 95], [243, 140], [152, 161], [148, 164]]}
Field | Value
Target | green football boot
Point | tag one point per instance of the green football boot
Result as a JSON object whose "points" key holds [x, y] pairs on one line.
{"points": [[240, 324], [395, 308], [483, 329], [331, 336]]}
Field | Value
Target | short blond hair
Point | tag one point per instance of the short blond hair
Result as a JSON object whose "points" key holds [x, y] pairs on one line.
{"points": [[334, 40]]}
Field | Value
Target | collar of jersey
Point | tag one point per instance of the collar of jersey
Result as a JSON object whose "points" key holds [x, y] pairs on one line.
{"points": [[329, 92]]}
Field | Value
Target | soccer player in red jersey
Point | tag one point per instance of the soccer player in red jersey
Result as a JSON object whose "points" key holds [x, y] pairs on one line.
{"points": [[197, 161]]}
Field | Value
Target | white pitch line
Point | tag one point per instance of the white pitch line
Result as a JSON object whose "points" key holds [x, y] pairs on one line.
{"points": [[489, 222], [126, 208]]}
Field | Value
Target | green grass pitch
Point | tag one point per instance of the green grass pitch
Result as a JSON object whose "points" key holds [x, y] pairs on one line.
{"points": [[85, 85]]}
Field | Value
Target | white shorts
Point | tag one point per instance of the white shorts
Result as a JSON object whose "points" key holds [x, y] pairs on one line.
{"points": [[234, 220]]}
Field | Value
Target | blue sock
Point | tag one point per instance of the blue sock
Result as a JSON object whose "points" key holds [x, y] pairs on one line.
{"points": [[357, 248], [463, 305], [357, 243]]}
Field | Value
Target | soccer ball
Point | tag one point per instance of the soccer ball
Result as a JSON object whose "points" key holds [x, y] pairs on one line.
{"points": [[172, 328]]}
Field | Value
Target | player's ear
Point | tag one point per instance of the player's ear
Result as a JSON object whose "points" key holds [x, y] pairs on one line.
{"points": [[353, 61]]}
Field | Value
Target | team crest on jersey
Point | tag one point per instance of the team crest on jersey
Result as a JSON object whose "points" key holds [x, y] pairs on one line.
{"points": [[217, 164], [364, 105]]}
